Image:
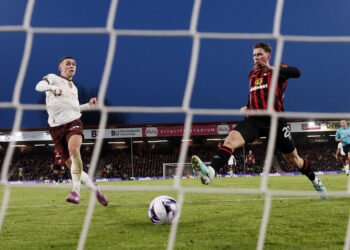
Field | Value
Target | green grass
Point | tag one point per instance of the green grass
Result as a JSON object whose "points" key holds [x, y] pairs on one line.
{"points": [[41, 219]]}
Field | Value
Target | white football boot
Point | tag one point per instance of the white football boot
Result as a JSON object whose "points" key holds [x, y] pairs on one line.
{"points": [[320, 188], [204, 172]]}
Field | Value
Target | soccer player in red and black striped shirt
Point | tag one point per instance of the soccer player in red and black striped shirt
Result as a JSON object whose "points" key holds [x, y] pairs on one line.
{"points": [[253, 127], [260, 79]]}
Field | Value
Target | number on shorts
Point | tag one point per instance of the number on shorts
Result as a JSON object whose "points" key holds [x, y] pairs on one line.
{"points": [[286, 132]]}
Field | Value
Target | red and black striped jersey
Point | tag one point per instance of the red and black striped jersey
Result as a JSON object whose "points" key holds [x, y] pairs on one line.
{"points": [[259, 86]]}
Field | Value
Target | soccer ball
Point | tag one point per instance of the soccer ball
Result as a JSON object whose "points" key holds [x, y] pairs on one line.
{"points": [[163, 209]]}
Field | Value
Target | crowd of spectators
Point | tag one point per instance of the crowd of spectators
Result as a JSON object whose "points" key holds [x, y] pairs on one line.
{"points": [[35, 163], [147, 160], [320, 155]]}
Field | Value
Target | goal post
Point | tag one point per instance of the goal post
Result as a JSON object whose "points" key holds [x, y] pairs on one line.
{"points": [[169, 169]]}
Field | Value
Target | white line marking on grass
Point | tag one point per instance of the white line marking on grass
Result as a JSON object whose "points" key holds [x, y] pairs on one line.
{"points": [[143, 203]]}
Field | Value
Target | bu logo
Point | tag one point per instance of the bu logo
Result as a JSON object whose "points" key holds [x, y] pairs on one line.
{"points": [[258, 81]]}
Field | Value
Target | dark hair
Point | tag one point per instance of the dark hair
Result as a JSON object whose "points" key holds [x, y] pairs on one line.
{"points": [[267, 48], [66, 57]]}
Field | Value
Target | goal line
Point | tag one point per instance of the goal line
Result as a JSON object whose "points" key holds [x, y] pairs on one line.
{"points": [[181, 167]]}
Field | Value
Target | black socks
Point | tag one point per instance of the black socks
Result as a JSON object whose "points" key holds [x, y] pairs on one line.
{"points": [[221, 158], [306, 170]]}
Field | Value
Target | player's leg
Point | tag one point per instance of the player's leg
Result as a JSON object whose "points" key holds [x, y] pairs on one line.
{"points": [[286, 144], [55, 173], [346, 166], [223, 154], [58, 135], [347, 153], [245, 131], [76, 166], [86, 180], [305, 168]]}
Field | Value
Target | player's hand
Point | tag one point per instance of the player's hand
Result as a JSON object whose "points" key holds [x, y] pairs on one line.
{"points": [[243, 109], [93, 101], [262, 66], [56, 91]]}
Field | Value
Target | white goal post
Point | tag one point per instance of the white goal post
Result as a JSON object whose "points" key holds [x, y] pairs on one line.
{"points": [[169, 169], [193, 32]]}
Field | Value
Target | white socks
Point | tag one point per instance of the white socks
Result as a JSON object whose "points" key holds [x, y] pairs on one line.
{"points": [[315, 181], [75, 170], [347, 169], [78, 175], [87, 181]]}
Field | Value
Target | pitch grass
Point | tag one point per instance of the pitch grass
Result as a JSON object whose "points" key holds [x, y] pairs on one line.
{"points": [[41, 219]]}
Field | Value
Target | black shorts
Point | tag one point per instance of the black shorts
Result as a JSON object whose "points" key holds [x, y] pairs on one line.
{"points": [[254, 127], [346, 149], [56, 167]]}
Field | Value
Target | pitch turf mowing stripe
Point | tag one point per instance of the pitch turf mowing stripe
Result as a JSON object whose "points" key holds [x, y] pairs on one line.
{"points": [[190, 202]]}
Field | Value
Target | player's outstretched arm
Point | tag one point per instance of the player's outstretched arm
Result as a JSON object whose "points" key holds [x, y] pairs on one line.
{"points": [[92, 103], [290, 72], [44, 86]]}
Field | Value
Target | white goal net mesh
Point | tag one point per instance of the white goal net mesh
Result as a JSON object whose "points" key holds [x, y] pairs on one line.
{"points": [[170, 169], [185, 108]]}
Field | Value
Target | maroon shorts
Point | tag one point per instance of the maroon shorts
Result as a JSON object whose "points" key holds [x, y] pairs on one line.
{"points": [[60, 136], [343, 158]]}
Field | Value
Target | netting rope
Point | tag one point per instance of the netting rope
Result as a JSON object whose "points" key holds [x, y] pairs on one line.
{"points": [[185, 108]]}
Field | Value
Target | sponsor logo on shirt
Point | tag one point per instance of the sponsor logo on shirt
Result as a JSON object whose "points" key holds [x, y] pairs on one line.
{"points": [[258, 81], [258, 87]]}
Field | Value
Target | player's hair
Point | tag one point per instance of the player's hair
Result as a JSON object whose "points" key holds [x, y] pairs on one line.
{"points": [[66, 57], [267, 48]]}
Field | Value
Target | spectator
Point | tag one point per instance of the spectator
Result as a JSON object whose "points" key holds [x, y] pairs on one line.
{"points": [[250, 161]]}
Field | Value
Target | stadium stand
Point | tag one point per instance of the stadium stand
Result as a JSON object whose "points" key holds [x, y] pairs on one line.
{"points": [[36, 163]]}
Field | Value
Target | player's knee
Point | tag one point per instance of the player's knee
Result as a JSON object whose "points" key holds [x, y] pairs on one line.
{"points": [[68, 163], [74, 151], [234, 140], [295, 160]]}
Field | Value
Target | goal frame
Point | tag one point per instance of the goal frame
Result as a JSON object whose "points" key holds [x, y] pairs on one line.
{"points": [[176, 164]]}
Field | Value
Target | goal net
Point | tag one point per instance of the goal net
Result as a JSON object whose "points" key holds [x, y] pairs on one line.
{"points": [[173, 169], [170, 169]]}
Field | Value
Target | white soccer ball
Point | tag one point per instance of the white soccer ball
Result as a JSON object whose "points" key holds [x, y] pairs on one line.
{"points": [[163, 209]]}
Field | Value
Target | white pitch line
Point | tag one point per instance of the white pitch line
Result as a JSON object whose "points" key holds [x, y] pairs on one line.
{"points": [[190, 202]]}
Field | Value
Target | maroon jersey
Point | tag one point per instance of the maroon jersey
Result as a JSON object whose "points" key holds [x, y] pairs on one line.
{"points": [[250, 159], [259, 86], [58, 159]]}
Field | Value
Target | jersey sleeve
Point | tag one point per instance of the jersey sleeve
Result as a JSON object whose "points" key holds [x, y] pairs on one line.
{"points": [[84, 107], [46, 84], [50, 79], [289, 71], [337, 135]]}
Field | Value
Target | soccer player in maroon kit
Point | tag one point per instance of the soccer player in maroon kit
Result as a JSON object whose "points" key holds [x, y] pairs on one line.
{"points": [[253, 127], [59, 162], [250, 161]]}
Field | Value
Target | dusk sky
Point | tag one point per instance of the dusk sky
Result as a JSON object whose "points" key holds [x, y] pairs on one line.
{"points": [[152, 71]]}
